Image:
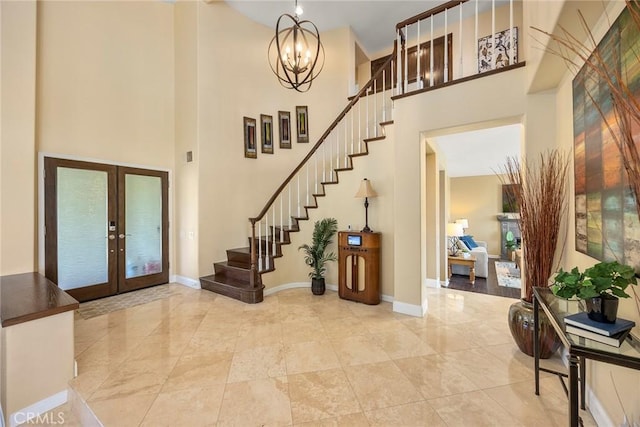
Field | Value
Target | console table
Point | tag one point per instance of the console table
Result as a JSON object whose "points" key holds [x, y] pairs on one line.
{"points": [[579, 348]]}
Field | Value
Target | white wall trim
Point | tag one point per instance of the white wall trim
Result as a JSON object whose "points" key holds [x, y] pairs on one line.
{"points": [[294, 285], [432, 283], [38, 408], [386, 298], [599, 414], [186, 281], [409, 309]]}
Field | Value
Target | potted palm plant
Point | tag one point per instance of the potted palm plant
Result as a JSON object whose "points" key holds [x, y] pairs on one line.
{"points": [[599, 286], [316, 254]]}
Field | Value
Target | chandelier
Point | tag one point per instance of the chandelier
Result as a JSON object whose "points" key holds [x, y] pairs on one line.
{"points": [[296, 55]]}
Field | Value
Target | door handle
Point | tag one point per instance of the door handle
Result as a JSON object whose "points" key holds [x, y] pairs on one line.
{"points": [[122, 236], [111, 237]]}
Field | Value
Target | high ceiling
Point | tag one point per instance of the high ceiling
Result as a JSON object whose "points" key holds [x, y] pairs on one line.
{"points": [[373, 22]]}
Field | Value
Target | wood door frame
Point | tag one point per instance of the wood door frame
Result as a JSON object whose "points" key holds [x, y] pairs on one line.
{"points": [[42, 212], [51, 227]]}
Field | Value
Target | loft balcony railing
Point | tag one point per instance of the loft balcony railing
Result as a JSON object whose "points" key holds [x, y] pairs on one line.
{"points": [[456, 41], [433, 48]]}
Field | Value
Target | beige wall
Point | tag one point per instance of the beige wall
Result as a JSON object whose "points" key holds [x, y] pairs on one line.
{"points": [[478, 199], [37, 361], [431, 114], [17, 153], [106, 81], [235, 80], [186, 139], [339, 203]]}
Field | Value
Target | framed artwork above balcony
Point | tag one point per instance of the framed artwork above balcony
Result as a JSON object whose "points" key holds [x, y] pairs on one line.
{"points": [[502, 51]]}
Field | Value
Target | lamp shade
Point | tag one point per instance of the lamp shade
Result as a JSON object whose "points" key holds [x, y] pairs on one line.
{"points": [[454, 229], [464, 222], [365, 190]]}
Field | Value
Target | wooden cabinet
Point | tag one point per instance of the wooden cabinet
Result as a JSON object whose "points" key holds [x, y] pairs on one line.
{"points": [[359, 266]]}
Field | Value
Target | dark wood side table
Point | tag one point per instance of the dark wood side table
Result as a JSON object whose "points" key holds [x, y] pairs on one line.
{"points": [[579, 348]]}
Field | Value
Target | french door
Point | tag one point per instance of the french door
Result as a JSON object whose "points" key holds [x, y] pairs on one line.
{"points": [[106, 228]]}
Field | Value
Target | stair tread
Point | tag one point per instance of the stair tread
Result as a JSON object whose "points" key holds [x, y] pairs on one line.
{"points": [[287, 228], [229, 266], [226, 280], [375, 138]]}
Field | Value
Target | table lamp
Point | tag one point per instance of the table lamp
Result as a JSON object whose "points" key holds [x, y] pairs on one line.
{"points": [[454, 231], [366, 191], [464, 222]]}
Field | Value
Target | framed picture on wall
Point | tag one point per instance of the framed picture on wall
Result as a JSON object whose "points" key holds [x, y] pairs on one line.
{"points": [[302, 121], [249, 130], [266, 127], [502, 51], [284, 127]]}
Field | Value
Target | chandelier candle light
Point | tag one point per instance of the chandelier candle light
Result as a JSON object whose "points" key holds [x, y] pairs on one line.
{"points": [[366, 191], [296, 55]]}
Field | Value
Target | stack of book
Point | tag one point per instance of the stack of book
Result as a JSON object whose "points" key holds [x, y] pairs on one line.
{"points": [[608, 333]]}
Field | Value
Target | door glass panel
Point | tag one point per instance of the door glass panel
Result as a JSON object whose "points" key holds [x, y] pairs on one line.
{"points": [[143, 218], [82, 227]]}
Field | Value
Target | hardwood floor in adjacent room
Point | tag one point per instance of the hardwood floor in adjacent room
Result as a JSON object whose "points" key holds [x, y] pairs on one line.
{"points": [[487, 286]]}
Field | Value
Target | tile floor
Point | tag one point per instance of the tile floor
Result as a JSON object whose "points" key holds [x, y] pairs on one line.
{"points": [[198, 359]]}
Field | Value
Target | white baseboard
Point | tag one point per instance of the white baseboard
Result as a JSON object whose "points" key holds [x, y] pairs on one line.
{"points": [[186, 281], [596, 409], [408, 309], [38, 409], [294, 285], [328, 286], [431, 283]]}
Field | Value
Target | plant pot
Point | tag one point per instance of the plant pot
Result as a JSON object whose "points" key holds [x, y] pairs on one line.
{"points": [[317, 286], [521, 326], [603, 308]]}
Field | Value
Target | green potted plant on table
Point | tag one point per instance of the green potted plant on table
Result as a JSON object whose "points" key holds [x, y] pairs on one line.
{"points": [[316, 254], [510, 244], [599, 286]]}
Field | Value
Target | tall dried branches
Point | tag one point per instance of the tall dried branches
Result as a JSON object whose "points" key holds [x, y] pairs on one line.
{"points": [[542, 199]]}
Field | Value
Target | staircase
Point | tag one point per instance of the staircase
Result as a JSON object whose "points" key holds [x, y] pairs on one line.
{"points": [[362, 121], [232, 278]]}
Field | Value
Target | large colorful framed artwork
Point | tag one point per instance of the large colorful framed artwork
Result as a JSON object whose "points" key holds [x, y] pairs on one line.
{"points": [[607, 226]]}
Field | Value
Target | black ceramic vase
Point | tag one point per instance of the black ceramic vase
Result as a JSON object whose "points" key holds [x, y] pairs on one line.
{"points": [[521, 326], [317, 286], [603, 308]]}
